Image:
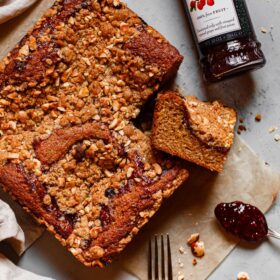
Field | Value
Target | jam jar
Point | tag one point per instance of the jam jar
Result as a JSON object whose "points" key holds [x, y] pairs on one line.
{"points": [[225, 37]]}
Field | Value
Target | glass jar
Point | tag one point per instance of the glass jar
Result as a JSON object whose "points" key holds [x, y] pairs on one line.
{"points": [[225, 37]]}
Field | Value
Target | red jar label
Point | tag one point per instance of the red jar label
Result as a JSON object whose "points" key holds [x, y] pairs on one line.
{"points": [[213, 18]]}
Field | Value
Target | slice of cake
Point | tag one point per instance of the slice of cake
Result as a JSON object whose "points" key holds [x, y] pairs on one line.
{"points": [[196, 131]]}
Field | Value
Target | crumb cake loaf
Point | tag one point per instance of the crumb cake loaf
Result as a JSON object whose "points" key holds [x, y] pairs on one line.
{"points": [[69, 153], [199, 132]]}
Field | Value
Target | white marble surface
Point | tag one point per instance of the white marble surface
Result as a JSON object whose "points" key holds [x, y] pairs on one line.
{"points": [[250, 94]]}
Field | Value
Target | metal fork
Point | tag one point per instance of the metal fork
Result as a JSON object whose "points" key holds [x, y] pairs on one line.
{"points": [[164, 269]]}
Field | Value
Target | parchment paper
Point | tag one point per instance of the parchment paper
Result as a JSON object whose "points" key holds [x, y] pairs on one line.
{"points": [[190, 210]]}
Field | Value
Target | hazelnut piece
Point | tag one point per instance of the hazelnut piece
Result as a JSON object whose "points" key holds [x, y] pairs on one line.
{"points": [[198, 249]]}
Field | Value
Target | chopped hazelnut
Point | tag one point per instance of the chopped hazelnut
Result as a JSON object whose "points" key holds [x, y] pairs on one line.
{"points": [[24, 50], [12, 155], [157, 168], [97, 251], [198, 249], [116, 2], [84, 92], [47, 199], [181, 250], [193, 238], [32, 43], [181, 277], [129, 172], [264, 30], [194, 262], [116, 105], [243, 276], [277, 137], [22, 116], [108, 173], [272, 129], [114, 123]]}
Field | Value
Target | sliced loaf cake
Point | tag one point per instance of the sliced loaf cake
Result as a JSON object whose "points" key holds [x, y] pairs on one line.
{"points": [[199, 132]]}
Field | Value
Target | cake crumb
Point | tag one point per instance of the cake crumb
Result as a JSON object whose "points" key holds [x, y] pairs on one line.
{"points": [[194, 262], [277, 137], [272, 129], [258, 118], [241, 128], [181, 250], [180, 275], [181, 265], [243, 276], [264, 30]]}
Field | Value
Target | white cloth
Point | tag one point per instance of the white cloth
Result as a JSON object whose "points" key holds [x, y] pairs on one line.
{"points": [[12, 232], [9, 228], [12, 8], [32, 231]]}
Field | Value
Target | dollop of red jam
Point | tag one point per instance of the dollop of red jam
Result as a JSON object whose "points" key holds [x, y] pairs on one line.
{"points": [[243, 220]]}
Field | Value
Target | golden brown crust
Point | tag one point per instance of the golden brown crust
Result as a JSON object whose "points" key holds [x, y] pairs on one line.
{"points": [[60, 141], [165, 56], [68, 151], [34, 63], [30, 193], [173, 134], [144, 199]]}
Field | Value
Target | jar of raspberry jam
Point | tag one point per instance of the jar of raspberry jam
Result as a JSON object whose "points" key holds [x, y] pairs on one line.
{"points": [[225, 37]]}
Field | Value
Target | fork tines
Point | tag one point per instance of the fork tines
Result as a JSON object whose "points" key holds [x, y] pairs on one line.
{"points": [[163, 269]]}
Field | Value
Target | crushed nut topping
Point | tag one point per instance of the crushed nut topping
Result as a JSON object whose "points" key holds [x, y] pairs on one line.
{"points": [[193, 238], [79, 71], [212, 123], [198, 249]]}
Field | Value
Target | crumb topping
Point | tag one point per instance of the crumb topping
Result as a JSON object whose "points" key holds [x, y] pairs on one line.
{"points": [[212, 123], [193, 238], [68, 92]]}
